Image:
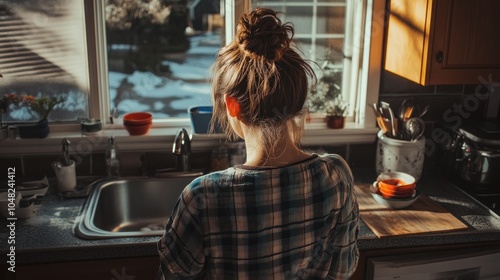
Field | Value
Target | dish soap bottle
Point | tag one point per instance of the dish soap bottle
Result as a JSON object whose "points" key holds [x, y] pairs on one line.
{"points": [[112, 162]]}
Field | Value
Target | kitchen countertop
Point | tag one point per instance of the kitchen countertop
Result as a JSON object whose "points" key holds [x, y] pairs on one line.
{"points": [[50, 237]]}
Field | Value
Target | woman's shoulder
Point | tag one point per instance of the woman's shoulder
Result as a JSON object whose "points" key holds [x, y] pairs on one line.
{"points": [[334, 159], [211, 179], [337, 163]]}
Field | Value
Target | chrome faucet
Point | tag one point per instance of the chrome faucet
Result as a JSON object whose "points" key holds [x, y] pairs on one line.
{"points": [[182, 148]]}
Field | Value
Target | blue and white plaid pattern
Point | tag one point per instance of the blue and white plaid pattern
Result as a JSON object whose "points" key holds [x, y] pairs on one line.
{"points": [[293, 222]]}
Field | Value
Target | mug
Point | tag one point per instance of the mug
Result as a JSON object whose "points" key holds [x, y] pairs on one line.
{"points": [[66, 176]]}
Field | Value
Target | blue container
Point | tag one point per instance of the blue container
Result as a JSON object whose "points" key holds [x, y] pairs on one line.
{"points": [[200, 119]]}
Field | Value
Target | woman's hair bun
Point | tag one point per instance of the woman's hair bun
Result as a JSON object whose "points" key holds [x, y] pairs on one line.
{"points": [[261, 33]]}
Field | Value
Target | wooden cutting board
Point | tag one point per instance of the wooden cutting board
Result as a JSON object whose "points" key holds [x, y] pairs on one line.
{"points": [[423, 216]]}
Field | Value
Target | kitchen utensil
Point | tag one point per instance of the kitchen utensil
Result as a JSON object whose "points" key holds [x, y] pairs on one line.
{"points": [[402, 110], [376, 110], [390, 115], [65, 152], [423, 112], [423, 216], [381, 124], [414, 128], [408, 112]]}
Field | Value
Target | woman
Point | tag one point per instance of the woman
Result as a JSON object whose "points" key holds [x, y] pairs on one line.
{"points": [[284, 213]]}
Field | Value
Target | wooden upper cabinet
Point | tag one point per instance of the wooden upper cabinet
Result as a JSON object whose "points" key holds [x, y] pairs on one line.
{"points": [[435, 42]]}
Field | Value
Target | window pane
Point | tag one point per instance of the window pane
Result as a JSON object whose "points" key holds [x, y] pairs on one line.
{"points": [[330, 50], [159, 54], [320, 31], [42, 54], [301, 17], [331, 20]]}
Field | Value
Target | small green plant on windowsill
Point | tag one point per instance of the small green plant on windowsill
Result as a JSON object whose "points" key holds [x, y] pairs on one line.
{"points": [[325, 93], [336, 108], [336, 111], [41, 106]]}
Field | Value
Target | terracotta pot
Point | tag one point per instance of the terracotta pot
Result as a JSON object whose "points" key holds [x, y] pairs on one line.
{"points": [[335, 122], [37, 130]]}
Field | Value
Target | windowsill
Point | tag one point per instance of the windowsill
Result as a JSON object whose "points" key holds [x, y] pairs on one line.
{"points": [[161, 139]]}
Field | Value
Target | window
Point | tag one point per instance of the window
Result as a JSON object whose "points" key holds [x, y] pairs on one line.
{"points": [[42, 53], [322, 32], [88, 52], [159, 54]]}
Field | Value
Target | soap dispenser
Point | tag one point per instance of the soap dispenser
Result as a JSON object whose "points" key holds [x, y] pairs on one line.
{"points": [[112, 162]]}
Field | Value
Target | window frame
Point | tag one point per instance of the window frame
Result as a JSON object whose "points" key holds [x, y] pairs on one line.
{"points": [[362, 129]]}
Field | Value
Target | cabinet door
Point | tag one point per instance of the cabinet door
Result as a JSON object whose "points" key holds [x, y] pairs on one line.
{"points": [[466, 42], [126, 268], [444, 41]]}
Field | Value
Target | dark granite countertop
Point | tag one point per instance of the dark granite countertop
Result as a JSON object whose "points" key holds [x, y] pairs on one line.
{"points": [[49, 236]]}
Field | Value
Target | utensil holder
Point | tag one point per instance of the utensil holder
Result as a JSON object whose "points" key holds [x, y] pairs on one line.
{"points": [[66, 176], [400, 155]]}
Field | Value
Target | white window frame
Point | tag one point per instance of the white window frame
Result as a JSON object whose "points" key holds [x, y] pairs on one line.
{"points": [[361, 129]]}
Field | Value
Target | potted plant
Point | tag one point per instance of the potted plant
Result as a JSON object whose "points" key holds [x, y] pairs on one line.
{"points": [[336, 111], [327, 92], [42, 107]]}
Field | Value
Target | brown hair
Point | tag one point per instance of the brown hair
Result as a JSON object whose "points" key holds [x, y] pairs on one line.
{"points": [[264, 74]]}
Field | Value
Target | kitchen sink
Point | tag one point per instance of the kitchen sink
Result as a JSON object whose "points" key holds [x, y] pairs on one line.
{"points": [[131, 207]]}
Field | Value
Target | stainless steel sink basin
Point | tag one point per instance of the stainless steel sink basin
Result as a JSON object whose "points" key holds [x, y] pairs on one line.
{"points": [[131, 207]]}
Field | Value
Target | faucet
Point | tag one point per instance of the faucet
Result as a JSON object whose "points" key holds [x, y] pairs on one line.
{"points": [[182, 148]]}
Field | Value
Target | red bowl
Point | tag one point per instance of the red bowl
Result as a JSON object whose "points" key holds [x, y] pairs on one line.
{"points": [[396, 194], [127, 123], [138, 118], [138, 129], [396, 184]]}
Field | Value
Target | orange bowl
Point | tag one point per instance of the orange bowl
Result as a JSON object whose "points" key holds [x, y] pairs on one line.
{"points": [[389, 194], [138, 129], [396, 182], [137, 118], [396, 185], [393, 202]]}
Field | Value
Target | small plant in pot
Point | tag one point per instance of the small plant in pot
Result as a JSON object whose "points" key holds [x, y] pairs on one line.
{"points": [[41, 106], [325, 96], [336, 111]]}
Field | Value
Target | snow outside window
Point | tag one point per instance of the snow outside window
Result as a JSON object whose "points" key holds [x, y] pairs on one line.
{"points": [[159, 54]]}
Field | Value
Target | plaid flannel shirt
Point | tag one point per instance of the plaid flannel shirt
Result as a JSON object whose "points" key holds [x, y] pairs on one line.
{"points": [[294, 222]]}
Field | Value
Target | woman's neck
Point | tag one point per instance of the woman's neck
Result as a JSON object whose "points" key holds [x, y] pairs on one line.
{"points": [[285, 151]]}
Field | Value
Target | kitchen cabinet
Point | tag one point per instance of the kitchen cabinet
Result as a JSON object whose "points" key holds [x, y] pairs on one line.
{"points": [[106, 269], [434, 42], [437, 260]]}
